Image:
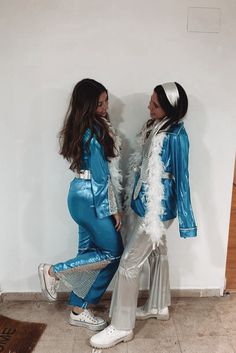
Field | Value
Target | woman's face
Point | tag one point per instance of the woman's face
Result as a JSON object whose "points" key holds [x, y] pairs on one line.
{"points": [[102, 104], [156, 111]]}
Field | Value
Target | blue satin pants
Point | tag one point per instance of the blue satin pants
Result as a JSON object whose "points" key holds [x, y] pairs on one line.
{"points": [[98, 241]]}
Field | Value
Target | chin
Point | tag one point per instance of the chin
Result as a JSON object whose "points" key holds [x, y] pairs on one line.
{"points": [[156, 118], [101, 115]]}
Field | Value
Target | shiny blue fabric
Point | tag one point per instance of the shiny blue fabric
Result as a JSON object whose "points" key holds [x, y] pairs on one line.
{"points": [[98, 238], [177, 199], [94, 160]]}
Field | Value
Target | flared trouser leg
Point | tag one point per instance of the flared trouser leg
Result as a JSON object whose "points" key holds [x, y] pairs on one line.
{"points": [[125, 293], [99, 243], [159, 291]]}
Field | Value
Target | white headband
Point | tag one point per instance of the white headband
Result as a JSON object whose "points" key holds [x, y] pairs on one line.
{"points": [[171, 92]]}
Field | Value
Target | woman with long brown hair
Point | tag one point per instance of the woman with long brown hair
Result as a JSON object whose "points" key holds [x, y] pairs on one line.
{"points": [[89, 143]]}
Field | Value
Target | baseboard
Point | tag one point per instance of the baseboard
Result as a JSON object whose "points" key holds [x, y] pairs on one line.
{"points": [[63, 296], [196, 293]]}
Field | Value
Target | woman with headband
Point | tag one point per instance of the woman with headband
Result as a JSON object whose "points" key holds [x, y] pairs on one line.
{"points": [[160, 193]]}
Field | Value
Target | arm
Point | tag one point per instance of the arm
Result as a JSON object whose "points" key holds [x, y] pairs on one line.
{"points": [[179, 155], [104, 199]]}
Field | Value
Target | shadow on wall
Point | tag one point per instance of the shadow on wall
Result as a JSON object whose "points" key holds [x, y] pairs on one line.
{"points": [[203, 202], [128, 115], [204, 197], [43, 222]]}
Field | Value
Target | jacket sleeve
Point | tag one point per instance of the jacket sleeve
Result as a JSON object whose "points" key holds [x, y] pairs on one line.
{"points": [[179, 154], [103, 194]]}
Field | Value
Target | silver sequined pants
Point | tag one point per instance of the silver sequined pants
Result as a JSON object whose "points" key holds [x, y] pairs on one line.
{"points": [[125, 293]]}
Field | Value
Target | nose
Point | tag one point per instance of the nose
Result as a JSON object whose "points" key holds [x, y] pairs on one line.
{"points": [[104, 108]]}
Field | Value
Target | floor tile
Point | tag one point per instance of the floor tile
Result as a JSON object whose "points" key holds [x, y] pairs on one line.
{"points": [[196, 325], [55, 345], [232, 340], [153, 328], [227, 314], [84, 347], [197, 320], [165, 345], [206, 344]]}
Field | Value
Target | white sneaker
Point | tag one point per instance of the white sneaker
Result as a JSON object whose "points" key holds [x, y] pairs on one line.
{"points": [[48, 283], [88, 320], [110, 337], [142, 314]]}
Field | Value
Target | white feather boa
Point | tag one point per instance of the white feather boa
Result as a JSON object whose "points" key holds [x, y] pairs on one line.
{"points": [[155, 193], [134, 162], [114, 169]]}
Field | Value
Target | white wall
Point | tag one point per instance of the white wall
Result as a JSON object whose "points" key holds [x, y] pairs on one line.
{"points": [[130, 46]]}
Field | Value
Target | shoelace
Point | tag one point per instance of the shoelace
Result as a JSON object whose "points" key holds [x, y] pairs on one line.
{"points": [[110, 329], [89, 315], [54, 284], [52, 289]]}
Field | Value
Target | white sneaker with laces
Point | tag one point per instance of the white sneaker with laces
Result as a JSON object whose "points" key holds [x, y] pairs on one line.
{"points": [[48, 283], [110, 336], [142, 314], [88, 320]]}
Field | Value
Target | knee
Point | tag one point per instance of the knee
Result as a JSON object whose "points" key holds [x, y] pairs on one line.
{"points": [[114, 259], [120, 251], [128, 269], [117, 253]]}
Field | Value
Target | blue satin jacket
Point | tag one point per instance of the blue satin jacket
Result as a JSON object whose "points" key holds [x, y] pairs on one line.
{"points": [[93, 159], [177, 200]]}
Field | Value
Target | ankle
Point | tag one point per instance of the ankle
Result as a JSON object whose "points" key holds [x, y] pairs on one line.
{"points": [[77, 310], [52, 273]]}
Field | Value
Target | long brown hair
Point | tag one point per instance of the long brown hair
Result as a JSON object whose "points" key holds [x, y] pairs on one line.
{"points": [[81, 115]]}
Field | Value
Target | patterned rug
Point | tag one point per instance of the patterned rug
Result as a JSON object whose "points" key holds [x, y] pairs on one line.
{"points": [[19, 336]]}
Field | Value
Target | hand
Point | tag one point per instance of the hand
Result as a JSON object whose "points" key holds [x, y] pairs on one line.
{"points": [[117, 218]]}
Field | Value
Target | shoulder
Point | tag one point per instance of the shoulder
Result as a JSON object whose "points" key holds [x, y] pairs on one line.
{"points": [[177, 130], [92, 138], [178, 136], [87, 135]]}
